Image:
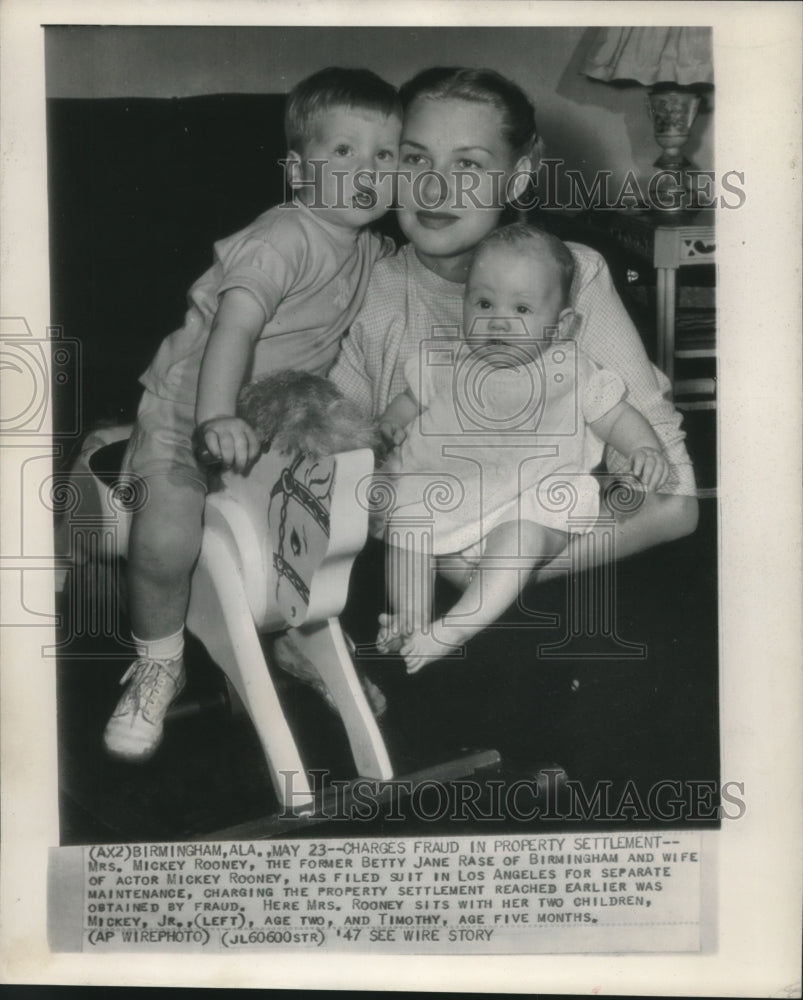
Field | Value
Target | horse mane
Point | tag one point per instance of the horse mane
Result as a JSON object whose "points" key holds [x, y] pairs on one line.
{"points": [[295, 411]]}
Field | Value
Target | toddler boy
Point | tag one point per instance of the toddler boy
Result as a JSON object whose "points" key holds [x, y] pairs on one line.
{"points": [[280, 294]]}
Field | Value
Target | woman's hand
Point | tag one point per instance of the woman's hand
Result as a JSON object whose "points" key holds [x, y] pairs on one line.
{"points": [[231, 441], [652, 468]]}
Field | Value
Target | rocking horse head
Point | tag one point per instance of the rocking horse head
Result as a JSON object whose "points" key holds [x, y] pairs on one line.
{"points": [[318, 446]]}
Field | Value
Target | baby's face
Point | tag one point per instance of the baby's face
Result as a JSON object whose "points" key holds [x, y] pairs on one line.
{"points": [[513, 303], [341, 165]]}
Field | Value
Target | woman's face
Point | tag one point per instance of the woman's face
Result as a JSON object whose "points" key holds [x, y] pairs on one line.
{"points": [[456, 168]]}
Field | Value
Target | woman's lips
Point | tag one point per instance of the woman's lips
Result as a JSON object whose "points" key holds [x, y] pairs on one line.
{"points": [[435, 220]]}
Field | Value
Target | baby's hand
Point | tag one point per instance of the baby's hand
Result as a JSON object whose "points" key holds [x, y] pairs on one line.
{"points": [[231, 440], [392, 436], [652, 468]]}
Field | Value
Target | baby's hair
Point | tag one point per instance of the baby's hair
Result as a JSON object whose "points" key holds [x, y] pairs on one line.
{"points": [[483, 86], [335, 87], [521, 236]]}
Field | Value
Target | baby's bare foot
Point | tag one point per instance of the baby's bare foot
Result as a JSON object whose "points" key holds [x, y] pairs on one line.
{"points": [[422, 648], [389, 638]]}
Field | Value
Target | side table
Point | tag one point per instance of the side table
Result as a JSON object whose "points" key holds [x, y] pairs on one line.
{"points": [[669, 242]]}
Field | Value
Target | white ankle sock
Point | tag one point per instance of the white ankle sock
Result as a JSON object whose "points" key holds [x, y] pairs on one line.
{"points": [[171, 647]]}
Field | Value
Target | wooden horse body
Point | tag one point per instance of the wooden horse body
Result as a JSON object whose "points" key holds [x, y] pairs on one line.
{"points": [[277, 550]]}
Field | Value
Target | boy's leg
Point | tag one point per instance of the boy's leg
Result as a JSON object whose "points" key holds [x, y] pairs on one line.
{"points": [[163, 547], [164, 543], [512, 549]]}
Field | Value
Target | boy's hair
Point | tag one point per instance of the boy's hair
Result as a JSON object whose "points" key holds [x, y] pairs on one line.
{"points": [[335, 87], [522, 236], [482, 86]]}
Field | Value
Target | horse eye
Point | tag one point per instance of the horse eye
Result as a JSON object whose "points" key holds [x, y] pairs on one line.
{"points": [[295, 542]]}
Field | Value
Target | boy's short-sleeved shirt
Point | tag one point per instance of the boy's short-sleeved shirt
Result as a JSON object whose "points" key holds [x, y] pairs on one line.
{"points": [[308, 275]]}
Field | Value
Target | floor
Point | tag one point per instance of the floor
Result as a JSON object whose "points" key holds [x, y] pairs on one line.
{"points": [[617, 720]]}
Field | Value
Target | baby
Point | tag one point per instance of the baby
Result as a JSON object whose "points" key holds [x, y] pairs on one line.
{"points": [[496, 436], [280, 295]]}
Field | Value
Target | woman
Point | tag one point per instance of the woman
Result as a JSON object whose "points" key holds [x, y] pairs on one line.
{"points": [[469, 143]]}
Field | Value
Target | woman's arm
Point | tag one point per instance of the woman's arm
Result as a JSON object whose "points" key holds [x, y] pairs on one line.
{"points": [[606, 333], [350, 370], [238, 322]]}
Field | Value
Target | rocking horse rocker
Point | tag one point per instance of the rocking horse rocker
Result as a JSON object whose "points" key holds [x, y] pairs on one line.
{"points": [[276, 556]]}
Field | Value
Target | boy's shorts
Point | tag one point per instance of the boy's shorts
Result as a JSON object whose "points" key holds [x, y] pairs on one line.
{"points": [[161, 442]]}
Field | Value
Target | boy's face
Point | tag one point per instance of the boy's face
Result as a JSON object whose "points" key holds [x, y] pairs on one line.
{"points": [[513, 303], [338, 172]]}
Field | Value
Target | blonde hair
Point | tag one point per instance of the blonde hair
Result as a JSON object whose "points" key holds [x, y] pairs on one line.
{"points": [[520, 235], [335, 87], [483, 86]]}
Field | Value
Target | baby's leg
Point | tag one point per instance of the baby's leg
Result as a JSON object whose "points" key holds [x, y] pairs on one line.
{"points": [[410, 586], [511, 551]]}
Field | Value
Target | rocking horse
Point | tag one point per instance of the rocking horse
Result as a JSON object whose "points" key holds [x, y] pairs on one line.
{"points": [[277, 551]]}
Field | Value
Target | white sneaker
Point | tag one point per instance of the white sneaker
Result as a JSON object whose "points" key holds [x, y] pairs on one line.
{"points": [[136, 727]]}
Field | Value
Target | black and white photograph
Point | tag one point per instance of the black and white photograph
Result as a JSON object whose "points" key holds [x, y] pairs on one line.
{"points": [[379, 533]]}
